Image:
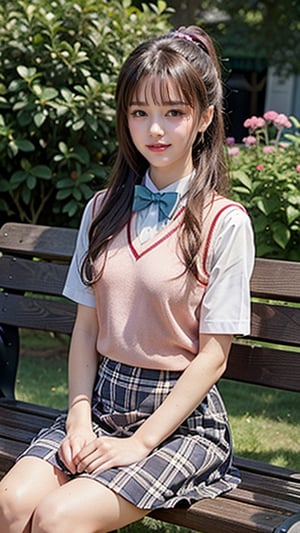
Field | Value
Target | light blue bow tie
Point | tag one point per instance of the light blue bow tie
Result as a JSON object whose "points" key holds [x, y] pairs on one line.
{"points": [[143, 197]]}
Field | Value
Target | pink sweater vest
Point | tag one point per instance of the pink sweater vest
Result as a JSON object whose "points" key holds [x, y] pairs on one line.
{"points": [[148, 306]]}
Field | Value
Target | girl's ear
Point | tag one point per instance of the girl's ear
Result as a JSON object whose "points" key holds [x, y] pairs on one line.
{"points": [[206, 118]]}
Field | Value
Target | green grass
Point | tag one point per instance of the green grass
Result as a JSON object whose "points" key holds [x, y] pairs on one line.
{"points": [[265, 422]]}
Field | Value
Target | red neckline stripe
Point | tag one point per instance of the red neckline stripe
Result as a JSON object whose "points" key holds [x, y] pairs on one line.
{"points": [[138, 255]]}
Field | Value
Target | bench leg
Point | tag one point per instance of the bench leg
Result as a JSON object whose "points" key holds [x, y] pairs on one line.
{"points": [[9, 357], [290, 525]]}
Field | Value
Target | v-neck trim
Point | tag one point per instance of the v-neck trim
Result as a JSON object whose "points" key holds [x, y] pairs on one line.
{"points": [[139, 249]]}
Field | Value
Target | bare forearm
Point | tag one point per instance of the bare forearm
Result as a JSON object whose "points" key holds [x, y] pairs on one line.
{"points": [[83, 364], [189, 391]]}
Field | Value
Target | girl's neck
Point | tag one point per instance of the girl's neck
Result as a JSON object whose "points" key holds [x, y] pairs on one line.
{"points": [[162, 180]]}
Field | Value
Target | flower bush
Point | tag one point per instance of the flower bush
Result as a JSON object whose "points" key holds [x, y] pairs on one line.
{"points": [[58, 65], [265, 174]]}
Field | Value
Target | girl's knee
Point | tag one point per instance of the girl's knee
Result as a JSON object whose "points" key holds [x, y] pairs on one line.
{"points": [[47, 517], [14, 505], [53, 516]]}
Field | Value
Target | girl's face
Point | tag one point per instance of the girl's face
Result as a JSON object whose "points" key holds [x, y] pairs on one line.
{"points": [[163, 129]]}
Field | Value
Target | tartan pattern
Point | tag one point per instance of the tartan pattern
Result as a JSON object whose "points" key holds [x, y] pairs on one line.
{"points": [[195, 462]]}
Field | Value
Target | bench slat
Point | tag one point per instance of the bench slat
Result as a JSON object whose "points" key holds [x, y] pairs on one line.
{"points": [[30, 408], [27, 421], [37, 313], [277, 503], [279, 279], [42, 241], [267, 321], [264, 366], [36, 276], [252, 465], [272, 486], [224, 516]]}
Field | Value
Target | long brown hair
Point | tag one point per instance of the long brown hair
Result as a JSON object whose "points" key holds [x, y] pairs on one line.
{"points": [[187, 57]]}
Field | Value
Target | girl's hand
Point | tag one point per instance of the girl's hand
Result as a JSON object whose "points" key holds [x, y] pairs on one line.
{"points": [[103, 453], [71, 446]]}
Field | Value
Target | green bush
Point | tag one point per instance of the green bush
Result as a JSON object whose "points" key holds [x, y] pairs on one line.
{"points": [[58, 66], [266, 180]]}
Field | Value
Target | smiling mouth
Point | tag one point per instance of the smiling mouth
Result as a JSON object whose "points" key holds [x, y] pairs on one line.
{"points": [[158, 147]]}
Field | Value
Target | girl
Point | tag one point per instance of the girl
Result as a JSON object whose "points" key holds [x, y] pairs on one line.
{"points": [[161, 277]]}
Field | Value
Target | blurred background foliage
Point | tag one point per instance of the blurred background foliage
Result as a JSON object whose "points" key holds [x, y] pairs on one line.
{"points": [[58, 66], [59, 61]]}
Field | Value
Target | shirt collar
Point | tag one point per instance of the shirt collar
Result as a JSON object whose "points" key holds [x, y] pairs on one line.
{"points": [[180, 186]]}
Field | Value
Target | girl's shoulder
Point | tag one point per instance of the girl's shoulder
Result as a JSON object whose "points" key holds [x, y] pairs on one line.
{"points": [[220, 208], [96, 202], [217, 205]]}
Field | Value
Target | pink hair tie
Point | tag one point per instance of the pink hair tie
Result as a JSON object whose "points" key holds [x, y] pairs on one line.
{"points": [[181, 35], [192, 38]]}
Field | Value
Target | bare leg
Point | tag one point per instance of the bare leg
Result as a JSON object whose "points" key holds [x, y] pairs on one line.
{"points": [[84, 506], [22, 489]]}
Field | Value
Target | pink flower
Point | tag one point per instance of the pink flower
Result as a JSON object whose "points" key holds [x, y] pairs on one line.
{"points": [[260, 167], [298, 168], [253, 123], [282, 121], [268, 149], [250, 140], [233, 150], [269, 116], [230, 141]]}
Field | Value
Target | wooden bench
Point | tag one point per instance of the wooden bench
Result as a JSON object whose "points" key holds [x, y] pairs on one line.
{"points": [[33, 267]]}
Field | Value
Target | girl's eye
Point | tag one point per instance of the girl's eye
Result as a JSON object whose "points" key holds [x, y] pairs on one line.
{"points": [[138, 113], [175, 113]]}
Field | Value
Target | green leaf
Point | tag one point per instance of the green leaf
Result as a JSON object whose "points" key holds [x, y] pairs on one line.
{"points": [[78, 125], [63, 194], [292, 214], [48, 93], [268, 204], [39, 119], [24, 145], [63, 148], [63, 183], [77, 194], [4, 185], [86, 191], [67, 95], [18, 177], [3, 205], [261, 222], [281, 234], [13, 147], [31, 182], [26, 195], [70, 208], [25, 72], [243, 178], [41, 171]]}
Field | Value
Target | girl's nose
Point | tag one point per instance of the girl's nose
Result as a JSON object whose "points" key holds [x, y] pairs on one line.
{"points": [[156, 129]]}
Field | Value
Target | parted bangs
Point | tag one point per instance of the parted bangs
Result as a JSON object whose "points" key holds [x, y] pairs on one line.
{"points": [[161, 90], [162, 78]]}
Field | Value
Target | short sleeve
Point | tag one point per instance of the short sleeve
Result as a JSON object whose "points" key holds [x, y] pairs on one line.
{"points": [[226, 304], [74, 288]]}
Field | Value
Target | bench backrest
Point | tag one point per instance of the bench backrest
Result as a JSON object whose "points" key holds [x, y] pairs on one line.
{"points": [[33, 268]]}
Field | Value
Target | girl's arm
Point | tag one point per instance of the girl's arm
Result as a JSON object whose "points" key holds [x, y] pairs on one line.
{"points": [[83, 364], [192, 387]]}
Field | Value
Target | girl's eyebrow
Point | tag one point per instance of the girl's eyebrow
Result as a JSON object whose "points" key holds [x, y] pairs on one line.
{"points": [[163, 103]]}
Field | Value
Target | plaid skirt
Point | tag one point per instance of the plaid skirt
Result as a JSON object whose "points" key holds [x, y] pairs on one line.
{"points": [[193, 463]]}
